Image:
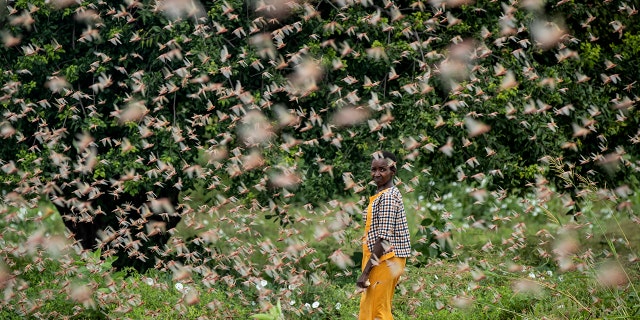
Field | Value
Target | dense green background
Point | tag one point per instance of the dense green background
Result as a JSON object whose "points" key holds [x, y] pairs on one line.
{"points": [[196, 99]]}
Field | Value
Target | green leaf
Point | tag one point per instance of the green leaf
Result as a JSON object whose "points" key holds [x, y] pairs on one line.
{"points": [[426, 222]]}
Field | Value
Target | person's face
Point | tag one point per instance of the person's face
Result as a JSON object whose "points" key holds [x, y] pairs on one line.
{"points": [[381, 172]]}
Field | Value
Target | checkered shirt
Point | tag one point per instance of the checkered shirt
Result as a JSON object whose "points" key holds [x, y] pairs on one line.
{"points": [[389, 222]]}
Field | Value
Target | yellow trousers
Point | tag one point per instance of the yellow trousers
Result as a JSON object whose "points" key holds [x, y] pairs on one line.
{"points": [[375, 303]]}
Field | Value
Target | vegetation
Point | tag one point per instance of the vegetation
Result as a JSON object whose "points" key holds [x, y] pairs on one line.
{"points": [[224, 144], [528, 263]]}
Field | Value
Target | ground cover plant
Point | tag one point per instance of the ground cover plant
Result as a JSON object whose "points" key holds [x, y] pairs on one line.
{"points": [[185, 158], [530, 263]]}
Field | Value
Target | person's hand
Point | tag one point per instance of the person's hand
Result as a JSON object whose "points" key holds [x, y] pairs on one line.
{"points": [[363, 281]]}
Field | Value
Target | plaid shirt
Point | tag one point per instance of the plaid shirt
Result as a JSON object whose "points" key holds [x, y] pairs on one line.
{"points": [[389, 222]]}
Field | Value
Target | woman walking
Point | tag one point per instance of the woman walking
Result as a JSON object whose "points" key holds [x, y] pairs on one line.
{"points": [[386, 244]]}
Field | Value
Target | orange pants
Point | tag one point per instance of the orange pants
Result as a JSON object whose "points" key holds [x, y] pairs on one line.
{"points": [[375, 303]]}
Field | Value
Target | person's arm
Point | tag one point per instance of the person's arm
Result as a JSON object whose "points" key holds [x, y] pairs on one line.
{"points": [[378, 251]]}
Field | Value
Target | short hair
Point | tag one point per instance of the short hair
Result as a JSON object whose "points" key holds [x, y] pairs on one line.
{"points": [[384, 154]]}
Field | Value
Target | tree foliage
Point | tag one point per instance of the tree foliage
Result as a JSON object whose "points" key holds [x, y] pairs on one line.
{"points": [[111, 109]]}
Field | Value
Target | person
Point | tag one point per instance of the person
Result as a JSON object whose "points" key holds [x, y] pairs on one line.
{"points": [[386, 242]]}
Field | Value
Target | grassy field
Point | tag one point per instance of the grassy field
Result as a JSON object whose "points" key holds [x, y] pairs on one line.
{"points": [[513, 258]]}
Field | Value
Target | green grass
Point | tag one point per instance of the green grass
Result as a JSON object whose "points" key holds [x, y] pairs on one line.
{"points": [[506, 265]]}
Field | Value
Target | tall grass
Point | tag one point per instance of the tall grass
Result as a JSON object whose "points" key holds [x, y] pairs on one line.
{"points": [[515, 257]]}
